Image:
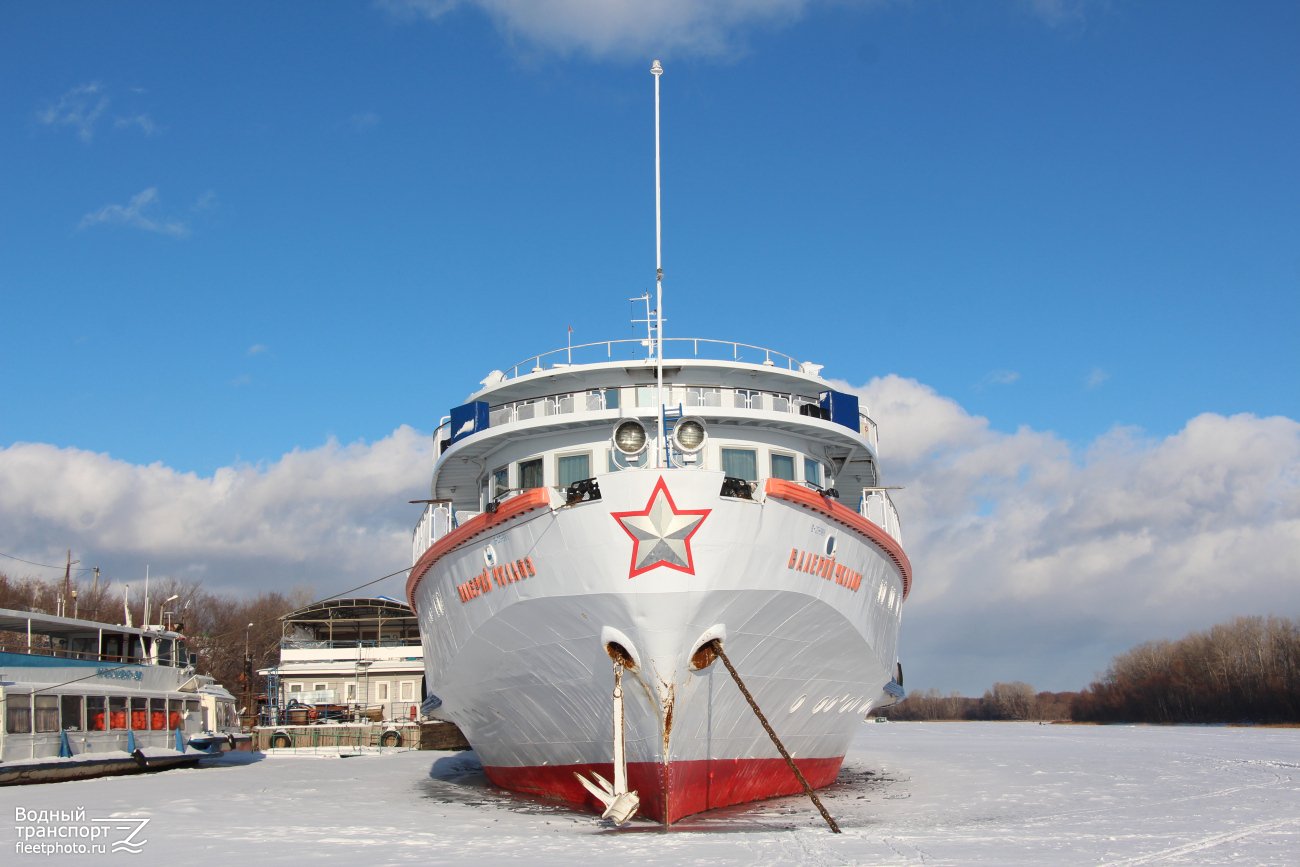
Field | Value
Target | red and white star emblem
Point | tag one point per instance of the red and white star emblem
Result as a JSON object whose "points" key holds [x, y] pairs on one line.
{"points": [[661, 533]]}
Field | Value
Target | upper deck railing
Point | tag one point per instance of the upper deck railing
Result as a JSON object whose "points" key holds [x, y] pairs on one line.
{"points": [[715, 350]]}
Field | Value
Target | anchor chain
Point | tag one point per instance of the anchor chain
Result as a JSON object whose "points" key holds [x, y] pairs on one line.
{"points": [[717, 646]]}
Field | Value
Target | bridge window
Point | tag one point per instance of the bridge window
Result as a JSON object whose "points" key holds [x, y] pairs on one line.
{"points": [[573, 468], [500, 482], [530, 474], [783, 467], [740, 464], [812, 471]]}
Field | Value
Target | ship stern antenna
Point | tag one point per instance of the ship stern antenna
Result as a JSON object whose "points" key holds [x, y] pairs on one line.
{"points": [[657, 70]]}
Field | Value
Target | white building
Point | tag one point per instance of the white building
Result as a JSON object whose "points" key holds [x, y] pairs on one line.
{"points": [[359, 656]]}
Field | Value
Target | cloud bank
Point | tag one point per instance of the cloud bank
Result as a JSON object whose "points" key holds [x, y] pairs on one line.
{"points": [[1034, 560], [667, 28], [134, 215]]}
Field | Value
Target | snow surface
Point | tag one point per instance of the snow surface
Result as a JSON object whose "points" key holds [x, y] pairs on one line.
{"points": [[910, 793]]}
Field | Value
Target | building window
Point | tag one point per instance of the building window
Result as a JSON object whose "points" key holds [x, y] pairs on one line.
{"points": [[740, 464], [783, 467], [812, 472], [530, 474], [352, 692], [295, 687], [383, 692], [408, 690], [320, 686], [500, 482], [573, 468]]}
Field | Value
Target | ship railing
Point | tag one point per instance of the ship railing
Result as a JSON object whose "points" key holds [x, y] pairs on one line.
{"points": [[878, 508], [645, 396], [674, 348], [436, 521], [325, 644], [60, 653]]}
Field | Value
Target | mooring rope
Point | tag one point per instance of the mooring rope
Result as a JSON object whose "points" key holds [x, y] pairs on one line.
{"points": [[717, 647]]}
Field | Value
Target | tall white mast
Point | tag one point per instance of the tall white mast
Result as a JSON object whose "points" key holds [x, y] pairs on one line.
{"points": [[656, 70]]}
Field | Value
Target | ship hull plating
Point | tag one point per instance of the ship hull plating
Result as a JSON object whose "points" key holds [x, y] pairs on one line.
{"points": [[518, 623]]}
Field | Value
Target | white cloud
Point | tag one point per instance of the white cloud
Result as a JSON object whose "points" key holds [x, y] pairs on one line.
{"points": [[133, 215], [1059, 13], [141, 120], [256, 349], [999, 377], [79, 108], [1083, 553], [602, 28], [1095, 378], [329, 516], [1033, 560]]}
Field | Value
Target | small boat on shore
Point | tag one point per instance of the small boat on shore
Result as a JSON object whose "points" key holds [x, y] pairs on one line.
{"points": [[85, 699]]}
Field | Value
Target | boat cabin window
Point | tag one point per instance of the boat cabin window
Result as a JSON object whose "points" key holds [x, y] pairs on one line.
{"points": [[740, 464], [135, 652], [164, 648], [157, 714], [500, 482], [113, 647], [174, 706], [191, 706], [70, 716], [83, 647], [117, 712], [530, 474], [46, 712], [96, 716], [572, 468], [18, 715], [812, 471], [783, 467], [139, 713]]}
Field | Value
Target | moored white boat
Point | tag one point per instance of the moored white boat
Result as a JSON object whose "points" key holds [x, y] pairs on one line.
{"points": [[588, 512]]}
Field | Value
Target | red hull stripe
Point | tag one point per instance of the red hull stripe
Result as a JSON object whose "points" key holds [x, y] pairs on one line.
{"points": [[518, 505], [681, 790], [841, 514]]}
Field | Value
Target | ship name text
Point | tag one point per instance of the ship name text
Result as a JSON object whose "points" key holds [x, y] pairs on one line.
{"points": [[499, 575], [825, 567]]}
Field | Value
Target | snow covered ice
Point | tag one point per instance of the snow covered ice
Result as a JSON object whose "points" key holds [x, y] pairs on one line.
{"points": [[909, 793]]}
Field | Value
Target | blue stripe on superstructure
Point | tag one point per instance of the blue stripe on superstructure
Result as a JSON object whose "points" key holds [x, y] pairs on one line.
{"points": [[27, 660]]}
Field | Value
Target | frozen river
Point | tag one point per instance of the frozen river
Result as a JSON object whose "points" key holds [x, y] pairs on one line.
{"points": [[910, 793]]}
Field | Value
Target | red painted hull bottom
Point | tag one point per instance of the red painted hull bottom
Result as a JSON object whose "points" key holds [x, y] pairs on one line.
{"points": [[674, 791]]}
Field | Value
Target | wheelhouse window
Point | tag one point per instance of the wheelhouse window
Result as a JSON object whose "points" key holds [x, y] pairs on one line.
{"points": [[783, 467], [70, 713], [740, 464], [812, 471], [572, 468], [500, 482], [530, 474], [18, 714]]}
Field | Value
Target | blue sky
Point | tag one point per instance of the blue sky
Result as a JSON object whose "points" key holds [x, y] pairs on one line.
{"points": [[235, 230]]}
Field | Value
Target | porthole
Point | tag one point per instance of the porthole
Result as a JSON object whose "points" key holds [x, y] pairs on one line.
{"points": [[831, 544]]}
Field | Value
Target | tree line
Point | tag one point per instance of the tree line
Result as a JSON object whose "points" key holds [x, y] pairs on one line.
{"points": [[1247, 669], [1004, 701], [215, 625]]}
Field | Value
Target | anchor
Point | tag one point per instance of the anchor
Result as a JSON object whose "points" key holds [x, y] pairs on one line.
{"points": [[620, 804]]}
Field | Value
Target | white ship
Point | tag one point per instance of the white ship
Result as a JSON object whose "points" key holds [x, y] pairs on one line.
{"points": [[591, 509], [87, 699]]}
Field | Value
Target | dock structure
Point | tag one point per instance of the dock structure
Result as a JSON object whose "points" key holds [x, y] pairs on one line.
{"points": [[356, 660]]}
